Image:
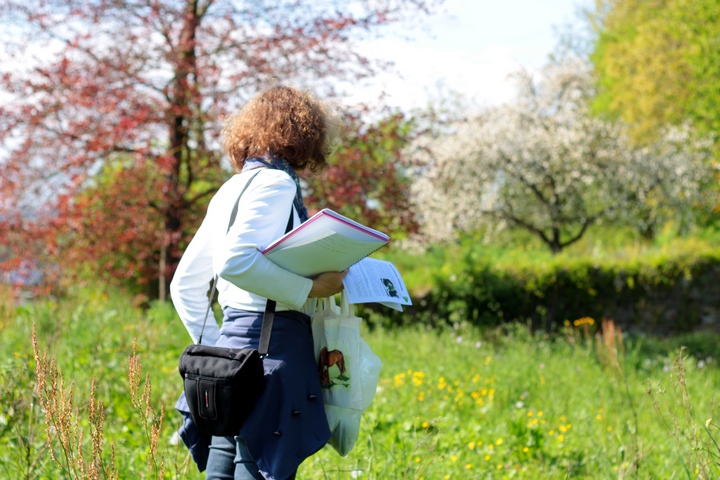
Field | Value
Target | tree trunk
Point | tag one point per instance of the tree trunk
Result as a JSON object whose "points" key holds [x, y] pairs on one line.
{"points": [[184, 90], [162, 282], [552, 309], [555, 244]]}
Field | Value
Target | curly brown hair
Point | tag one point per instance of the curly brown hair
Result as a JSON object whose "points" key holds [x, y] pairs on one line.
{"points": [[290, 123]]}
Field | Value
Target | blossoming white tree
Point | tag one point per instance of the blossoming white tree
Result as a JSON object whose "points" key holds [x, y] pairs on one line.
{"points": [[544, 164]]}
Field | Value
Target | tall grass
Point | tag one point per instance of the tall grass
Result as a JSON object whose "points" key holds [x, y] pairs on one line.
{"points": [[466, 404], [452, 403]]}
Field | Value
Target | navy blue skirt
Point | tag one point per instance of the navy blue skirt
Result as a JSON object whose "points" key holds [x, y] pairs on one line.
{"points": [[288, 424]]}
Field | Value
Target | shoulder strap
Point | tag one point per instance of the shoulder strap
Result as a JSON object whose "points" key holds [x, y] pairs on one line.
{"points": [[269, 315], [233, 214]]}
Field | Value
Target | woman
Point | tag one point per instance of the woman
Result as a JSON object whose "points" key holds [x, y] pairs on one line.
{"points": [[279, 132]]}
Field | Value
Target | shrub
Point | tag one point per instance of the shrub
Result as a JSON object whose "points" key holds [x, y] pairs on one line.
{"points": [[665, 292]]}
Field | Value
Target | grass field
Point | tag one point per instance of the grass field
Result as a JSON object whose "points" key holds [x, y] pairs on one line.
{"points": [[456, 403]]}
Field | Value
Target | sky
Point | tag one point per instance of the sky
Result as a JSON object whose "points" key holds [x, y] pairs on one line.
{"points": [[471, 47]]}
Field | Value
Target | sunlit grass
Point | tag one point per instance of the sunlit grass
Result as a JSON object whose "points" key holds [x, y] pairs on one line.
{"points": [[453, 403], [466, 405]]}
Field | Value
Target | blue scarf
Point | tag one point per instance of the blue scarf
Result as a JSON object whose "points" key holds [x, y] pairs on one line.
{"points": [[277, 163]]}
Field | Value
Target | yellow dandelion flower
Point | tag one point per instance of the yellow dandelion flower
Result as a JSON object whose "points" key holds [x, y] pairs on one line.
{"points": [[499, 466], [609, 429], [562, 428], [425, 425], [561, 438], [471, 445], [525, 449], [453, 458], [491, 446], [446, 477], [468, 466], [540, 413], [584, 321], [417, 459], [499, 441], [552, 432], [530, 414], [487, 457], [488, 359]]}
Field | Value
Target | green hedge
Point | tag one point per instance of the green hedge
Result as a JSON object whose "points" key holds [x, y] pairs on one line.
{"points": [[673, 290]]}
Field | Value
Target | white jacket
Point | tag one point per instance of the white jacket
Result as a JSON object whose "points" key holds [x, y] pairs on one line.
{"points": [[246, 277]]}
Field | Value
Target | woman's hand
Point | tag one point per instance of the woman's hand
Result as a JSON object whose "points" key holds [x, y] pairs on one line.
{"points": [[327, 284]]}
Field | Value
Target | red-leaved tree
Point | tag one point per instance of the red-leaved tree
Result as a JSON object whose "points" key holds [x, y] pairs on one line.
{"points": [[110, 113], [366, 177]]}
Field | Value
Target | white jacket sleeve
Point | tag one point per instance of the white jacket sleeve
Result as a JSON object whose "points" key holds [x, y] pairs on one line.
{"points": [[191, 283], [262, 217]]}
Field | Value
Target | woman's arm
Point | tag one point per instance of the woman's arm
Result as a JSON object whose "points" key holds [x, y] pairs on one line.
{"points": [[262, 218], [191, 282]]}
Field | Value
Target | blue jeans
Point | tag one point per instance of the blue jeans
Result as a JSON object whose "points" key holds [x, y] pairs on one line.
{"points": [[230, 459]]}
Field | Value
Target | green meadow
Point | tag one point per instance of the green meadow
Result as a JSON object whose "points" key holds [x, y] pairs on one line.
{"points": [[454, 402]]}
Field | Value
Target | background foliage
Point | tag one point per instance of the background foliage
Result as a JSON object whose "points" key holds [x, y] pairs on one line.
{"points": [[657, 63], [544, 164], [665, 290]]}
